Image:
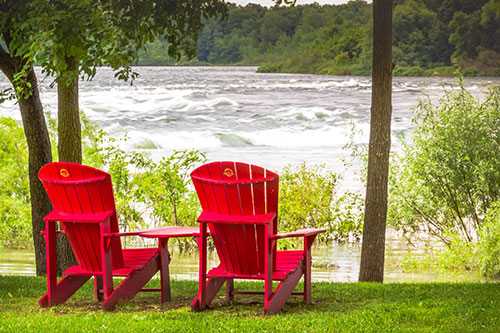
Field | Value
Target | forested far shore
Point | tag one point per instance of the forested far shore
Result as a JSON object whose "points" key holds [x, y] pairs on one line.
{"points": [[431, 37]]}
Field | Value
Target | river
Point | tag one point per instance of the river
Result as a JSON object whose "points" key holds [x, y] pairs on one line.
{"points": [[233, 113]]}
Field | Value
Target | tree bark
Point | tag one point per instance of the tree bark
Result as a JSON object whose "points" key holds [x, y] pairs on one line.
{"points": [[69, 145], [373, 247], [39, 152], [69, 133]]}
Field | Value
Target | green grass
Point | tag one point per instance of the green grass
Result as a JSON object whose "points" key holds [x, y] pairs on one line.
{"points": [[337, 307]]}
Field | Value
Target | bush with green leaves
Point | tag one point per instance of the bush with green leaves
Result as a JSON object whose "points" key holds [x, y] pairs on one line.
{"points": [[165, 187], [481, 255], [488, 247], [449, 173], [15, 210], [309, 197], [143, 187]]}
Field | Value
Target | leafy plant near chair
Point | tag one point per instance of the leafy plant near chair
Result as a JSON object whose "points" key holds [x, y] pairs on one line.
{"points": [[309, 197], [447, 181], [15, 211], [449, 174]]}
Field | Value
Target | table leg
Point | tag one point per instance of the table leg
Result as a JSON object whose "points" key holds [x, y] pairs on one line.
{"points": [[164, 270]]}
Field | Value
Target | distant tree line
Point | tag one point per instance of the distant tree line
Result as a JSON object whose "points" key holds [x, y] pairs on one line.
{"points": [[431, 37]]}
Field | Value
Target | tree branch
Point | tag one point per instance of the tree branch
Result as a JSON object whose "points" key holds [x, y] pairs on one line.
{"points": [[7, 64]]}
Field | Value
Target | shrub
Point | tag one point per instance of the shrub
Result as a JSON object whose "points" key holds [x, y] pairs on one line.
{"points": [[481, 255], [165, 187], [470, 71], [309, 198], [449, 173], [408, 71], [488, 247], [15, 210]]}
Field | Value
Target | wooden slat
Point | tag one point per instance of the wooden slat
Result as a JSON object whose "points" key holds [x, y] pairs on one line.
{"points": [[199, 190], [220, 242], [260, 208], [215, 172], [208, 191], [60, 192], [232, 248], [245, 191], [212, 204], [77, 244], [259, 197], [81, 189], [94, 193], [232, 194], [272, 190], [253, 251], [236, 182], [242, 249]]}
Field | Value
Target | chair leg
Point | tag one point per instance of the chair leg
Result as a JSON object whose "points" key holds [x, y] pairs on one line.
{"points": [[63, 290], [98, 285], [229, 289], [307, 269], [132, 284], [212, 288], [164, 270], [284, 291]]}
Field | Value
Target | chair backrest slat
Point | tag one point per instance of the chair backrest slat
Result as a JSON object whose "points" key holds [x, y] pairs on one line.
{"points": [[78, 189], [237, 189], [232, 192]]}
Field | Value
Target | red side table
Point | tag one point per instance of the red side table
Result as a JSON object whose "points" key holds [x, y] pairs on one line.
{"points": [[163, 234]]}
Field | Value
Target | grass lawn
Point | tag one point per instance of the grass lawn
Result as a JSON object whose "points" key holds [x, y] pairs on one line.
{"points": [[337, 307]]}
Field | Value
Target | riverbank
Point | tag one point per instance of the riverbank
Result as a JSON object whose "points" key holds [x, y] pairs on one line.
{"points": [[367, 307], [353, 68], [292, 66]]}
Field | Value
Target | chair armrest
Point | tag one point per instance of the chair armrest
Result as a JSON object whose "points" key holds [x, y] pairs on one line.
{"points": [[298, 233], [247, 219], [121, 234], [57, 215], [58, 232]]}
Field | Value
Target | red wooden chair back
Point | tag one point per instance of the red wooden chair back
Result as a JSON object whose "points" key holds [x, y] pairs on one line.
{"points": [[238, 189], [79, 189]]}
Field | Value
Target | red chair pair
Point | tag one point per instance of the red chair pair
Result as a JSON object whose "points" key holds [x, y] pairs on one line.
{"points": [[240, 206]]}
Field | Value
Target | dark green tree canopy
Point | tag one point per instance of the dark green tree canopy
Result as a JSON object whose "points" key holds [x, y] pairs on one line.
{"points": [[101, 32], [336, 39]]}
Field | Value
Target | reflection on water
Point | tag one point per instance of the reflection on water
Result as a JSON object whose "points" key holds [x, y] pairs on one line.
{"points": [[17, 262], [337, 263]]}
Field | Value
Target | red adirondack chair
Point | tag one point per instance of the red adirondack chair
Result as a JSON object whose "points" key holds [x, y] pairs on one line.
{"points": [[240, 206], [84, 204]]}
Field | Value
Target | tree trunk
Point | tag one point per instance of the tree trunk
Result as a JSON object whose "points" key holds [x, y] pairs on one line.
{"points": [[69, 146], [39, 152], [373, 248], [68, 119]]}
